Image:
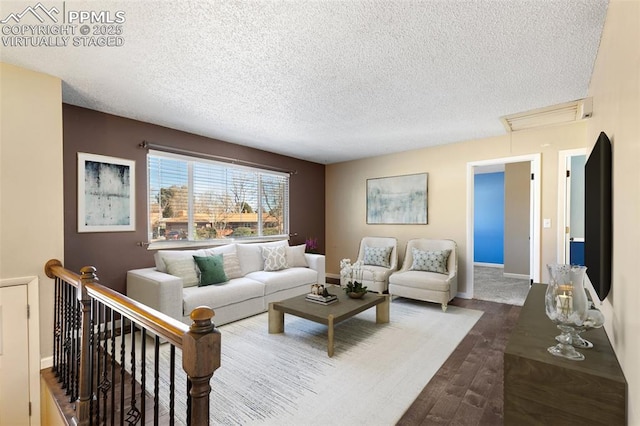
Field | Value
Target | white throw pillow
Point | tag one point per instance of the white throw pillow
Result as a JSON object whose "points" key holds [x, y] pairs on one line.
{"points": [[183, 268], [295, 256], [250, 255], [161, 257], [275, 258], [232, 265]]}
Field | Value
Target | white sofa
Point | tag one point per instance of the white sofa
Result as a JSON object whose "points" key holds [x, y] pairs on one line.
{"points": [[248, 291]]}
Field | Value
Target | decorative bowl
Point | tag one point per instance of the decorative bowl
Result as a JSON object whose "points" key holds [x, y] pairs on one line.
{"points": [[356, 294]]}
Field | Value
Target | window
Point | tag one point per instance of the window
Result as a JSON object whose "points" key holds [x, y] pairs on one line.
{"points": [[195, 199]]}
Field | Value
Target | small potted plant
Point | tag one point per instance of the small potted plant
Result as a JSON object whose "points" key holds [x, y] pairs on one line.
{"points": [[311, 245], [351, 275]]}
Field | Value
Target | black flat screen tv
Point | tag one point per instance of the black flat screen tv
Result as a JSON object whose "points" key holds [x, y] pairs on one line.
{"points": [[597, 216]]}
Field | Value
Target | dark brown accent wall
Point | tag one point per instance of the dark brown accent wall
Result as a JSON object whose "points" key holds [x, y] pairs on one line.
{"points": [[114, 253]]}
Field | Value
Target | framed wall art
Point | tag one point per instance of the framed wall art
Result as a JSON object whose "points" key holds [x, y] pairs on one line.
{"points": [[397, 200], [106, 194]]}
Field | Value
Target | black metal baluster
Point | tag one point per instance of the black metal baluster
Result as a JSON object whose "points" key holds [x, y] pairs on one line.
{"points": [[189, 384], [156, 380], [104, 381], [113, 367], [133, 415], [69, 342], [172, 385], [92, 360], [78, 344], [122, 368], [72, 342], [143, 374], [57, 328], [98, 355], [66, 343]]}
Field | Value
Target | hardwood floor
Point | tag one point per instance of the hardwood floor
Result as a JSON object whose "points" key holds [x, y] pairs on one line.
{"points": [[467, 390]]}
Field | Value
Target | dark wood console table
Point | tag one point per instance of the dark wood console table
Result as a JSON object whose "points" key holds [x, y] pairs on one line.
{"points": [[540, 388]]}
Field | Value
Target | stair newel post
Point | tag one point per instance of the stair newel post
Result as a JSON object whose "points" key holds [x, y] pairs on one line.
{"points": [[200, 358], [84, 383]]}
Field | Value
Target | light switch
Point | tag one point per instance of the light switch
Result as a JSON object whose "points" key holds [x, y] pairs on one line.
{"points": [[546, 223]]}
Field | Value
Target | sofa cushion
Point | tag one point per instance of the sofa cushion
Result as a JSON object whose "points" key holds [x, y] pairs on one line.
{"points": [[250, 255], [377, 256], [296, 257], [214, 296], [421, 280], [285, 278], [161, 257], [183, 267], [430, 261], [232, 265], [211, 270], [275, 258], [375, 273]]}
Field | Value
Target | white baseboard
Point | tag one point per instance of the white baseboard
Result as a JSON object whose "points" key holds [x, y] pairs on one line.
{"points": [[463, 295], [490, 265], [46, 362], [334, 276], [518, 276]]}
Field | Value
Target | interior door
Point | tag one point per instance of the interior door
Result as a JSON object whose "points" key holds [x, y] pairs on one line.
{"points": [[14, 356], [574, 210]]}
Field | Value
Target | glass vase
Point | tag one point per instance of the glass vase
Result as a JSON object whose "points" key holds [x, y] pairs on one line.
{"points": [[595, 319], [566, 305]]}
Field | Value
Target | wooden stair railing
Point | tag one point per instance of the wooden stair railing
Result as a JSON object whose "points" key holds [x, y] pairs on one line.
{"points": [[88, 318]]}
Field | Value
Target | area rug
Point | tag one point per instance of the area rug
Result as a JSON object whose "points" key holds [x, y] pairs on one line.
{"points": [[377, 370]]}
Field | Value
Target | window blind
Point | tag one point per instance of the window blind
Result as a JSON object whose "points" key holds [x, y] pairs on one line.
{"points": [[198, 199]]}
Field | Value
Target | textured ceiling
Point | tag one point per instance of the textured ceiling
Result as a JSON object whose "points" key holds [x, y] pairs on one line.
{"points": [[328, 81]]}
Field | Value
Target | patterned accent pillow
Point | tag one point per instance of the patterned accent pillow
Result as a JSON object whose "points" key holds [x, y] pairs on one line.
{"points": [[184, 268], [232, 265], [377, 256], [430, 261], [211, 270], [275, 258]]}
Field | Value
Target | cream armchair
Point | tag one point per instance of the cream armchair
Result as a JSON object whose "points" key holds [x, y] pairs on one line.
{"points": [[430, 275], [379, 256]]}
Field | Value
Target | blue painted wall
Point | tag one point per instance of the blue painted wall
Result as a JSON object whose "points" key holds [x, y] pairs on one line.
{"points": [[488, 221]]}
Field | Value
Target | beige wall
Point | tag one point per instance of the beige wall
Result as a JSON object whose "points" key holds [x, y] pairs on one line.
{"points": [[447, 191], [517, 189], [31, 212], [615, 88]]}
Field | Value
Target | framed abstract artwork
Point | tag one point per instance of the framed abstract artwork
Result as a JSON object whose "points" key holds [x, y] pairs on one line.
{"points": [[397, 200], [106, 194]]}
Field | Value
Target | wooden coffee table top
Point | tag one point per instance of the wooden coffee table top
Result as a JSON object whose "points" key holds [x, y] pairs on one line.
{"points": [[344, 308]]}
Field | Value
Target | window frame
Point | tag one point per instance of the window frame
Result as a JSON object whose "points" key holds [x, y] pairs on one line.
{"points": [[191, 160]]}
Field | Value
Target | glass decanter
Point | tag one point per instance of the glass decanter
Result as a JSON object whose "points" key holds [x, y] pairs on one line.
{"points": [[566, 305]]}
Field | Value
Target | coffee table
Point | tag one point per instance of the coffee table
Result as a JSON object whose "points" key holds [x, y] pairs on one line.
{"points": [[327, 314]]}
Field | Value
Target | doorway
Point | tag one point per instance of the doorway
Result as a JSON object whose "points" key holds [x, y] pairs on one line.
{"points": [[534, 215], [571, 206]]}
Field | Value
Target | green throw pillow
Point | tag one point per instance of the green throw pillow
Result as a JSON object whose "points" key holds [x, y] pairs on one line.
{"points": [[211, 269]]}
